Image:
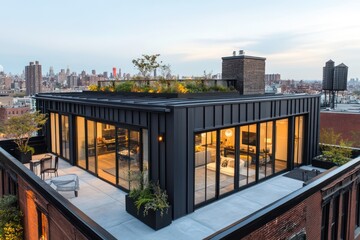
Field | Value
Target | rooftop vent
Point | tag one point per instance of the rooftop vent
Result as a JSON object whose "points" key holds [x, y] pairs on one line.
{"points": [[234, 53], [241, 52]]}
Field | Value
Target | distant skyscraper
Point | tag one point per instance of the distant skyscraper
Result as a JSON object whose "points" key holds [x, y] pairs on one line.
{"points": [[33, 77], [51, 72], [114, 72], [67, 71], [272, 77], [93, 72]]}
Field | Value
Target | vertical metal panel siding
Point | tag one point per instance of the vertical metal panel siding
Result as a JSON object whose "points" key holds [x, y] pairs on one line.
{"points": [[218, 115], [199, 116], [162, 149], [249, 112], [190, 158], [235, 113], [180, 162], [243, 112], [154, 146], [209, 116], [265, 108], [227, 115]]}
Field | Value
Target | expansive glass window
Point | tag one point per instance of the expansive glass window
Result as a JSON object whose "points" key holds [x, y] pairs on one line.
{"points": [[266, 150], [105, 149], [129, 172], [247, 158], [298, 140], [65, 133], [118, 155], [281, 145], [205, 167], [227, 160], [80, 142], [55, 138], [245, 154], [91, 145]]}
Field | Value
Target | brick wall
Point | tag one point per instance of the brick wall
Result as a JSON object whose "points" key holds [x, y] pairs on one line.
{"points": [[248, 71], [344, 123], [306, 217]]}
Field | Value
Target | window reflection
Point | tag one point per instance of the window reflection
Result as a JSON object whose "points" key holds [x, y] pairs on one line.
{"points": [[281, 147], [298, 140], [266, 152], [80, 141], [205, 167], [247, 157], [227, 160]]}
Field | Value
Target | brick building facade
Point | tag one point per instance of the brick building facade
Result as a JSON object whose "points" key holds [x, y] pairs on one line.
{"points": [[348, 124], [7, 112]]}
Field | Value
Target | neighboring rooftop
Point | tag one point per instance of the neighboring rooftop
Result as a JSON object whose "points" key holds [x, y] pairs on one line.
{"points": [[344, 108]]}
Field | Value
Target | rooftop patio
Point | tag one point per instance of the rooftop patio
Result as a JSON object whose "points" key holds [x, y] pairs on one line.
{"points": [[105, 204]]}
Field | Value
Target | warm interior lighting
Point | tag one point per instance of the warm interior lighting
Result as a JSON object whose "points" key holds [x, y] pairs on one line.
{"points": [[161, 138], [268, 140], [228, 133]]}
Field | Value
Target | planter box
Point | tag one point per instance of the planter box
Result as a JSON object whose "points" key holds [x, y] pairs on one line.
{"points": [[323, 164], [153, 219], [25, 157]]}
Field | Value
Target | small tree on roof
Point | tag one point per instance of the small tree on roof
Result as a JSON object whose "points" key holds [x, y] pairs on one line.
{"points": [[20, 129], [147, 64]]}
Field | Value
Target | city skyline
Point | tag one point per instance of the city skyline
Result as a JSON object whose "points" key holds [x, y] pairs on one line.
{"points": [[192, 38]]}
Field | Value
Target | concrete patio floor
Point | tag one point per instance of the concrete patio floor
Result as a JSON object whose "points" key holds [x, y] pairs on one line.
{"points": [[105, 204]]}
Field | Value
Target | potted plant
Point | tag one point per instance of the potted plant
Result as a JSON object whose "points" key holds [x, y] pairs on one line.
{"points": [[20, 129], [150, 205]]}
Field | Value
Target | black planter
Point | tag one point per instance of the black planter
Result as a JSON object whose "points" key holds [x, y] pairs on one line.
{"points": [[153, 219], [323, 164], [25, 157]]}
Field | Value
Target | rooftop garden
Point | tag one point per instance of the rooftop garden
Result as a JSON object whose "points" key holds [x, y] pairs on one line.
{"points": [[160, 86], [145, 82]]}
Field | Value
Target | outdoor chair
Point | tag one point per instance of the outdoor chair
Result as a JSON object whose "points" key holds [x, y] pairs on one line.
{"points": [[49, 165]]}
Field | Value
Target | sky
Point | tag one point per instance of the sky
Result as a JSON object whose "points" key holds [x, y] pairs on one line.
{"points": [[295, 37]]}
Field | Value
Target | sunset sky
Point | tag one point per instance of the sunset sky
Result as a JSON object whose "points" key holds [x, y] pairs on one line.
{"points": [[296, 37]]}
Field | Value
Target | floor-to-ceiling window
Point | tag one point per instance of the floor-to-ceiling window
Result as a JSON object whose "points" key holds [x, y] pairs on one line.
{"points": [[91, 146], [205, 167], [55, 136], [281, 144], [298, 140], [105, 149], [266, 150], [262, 150], [130, 171], [118, 155], [80, 142], [65, 137], [247, 158], [227, 160]]}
